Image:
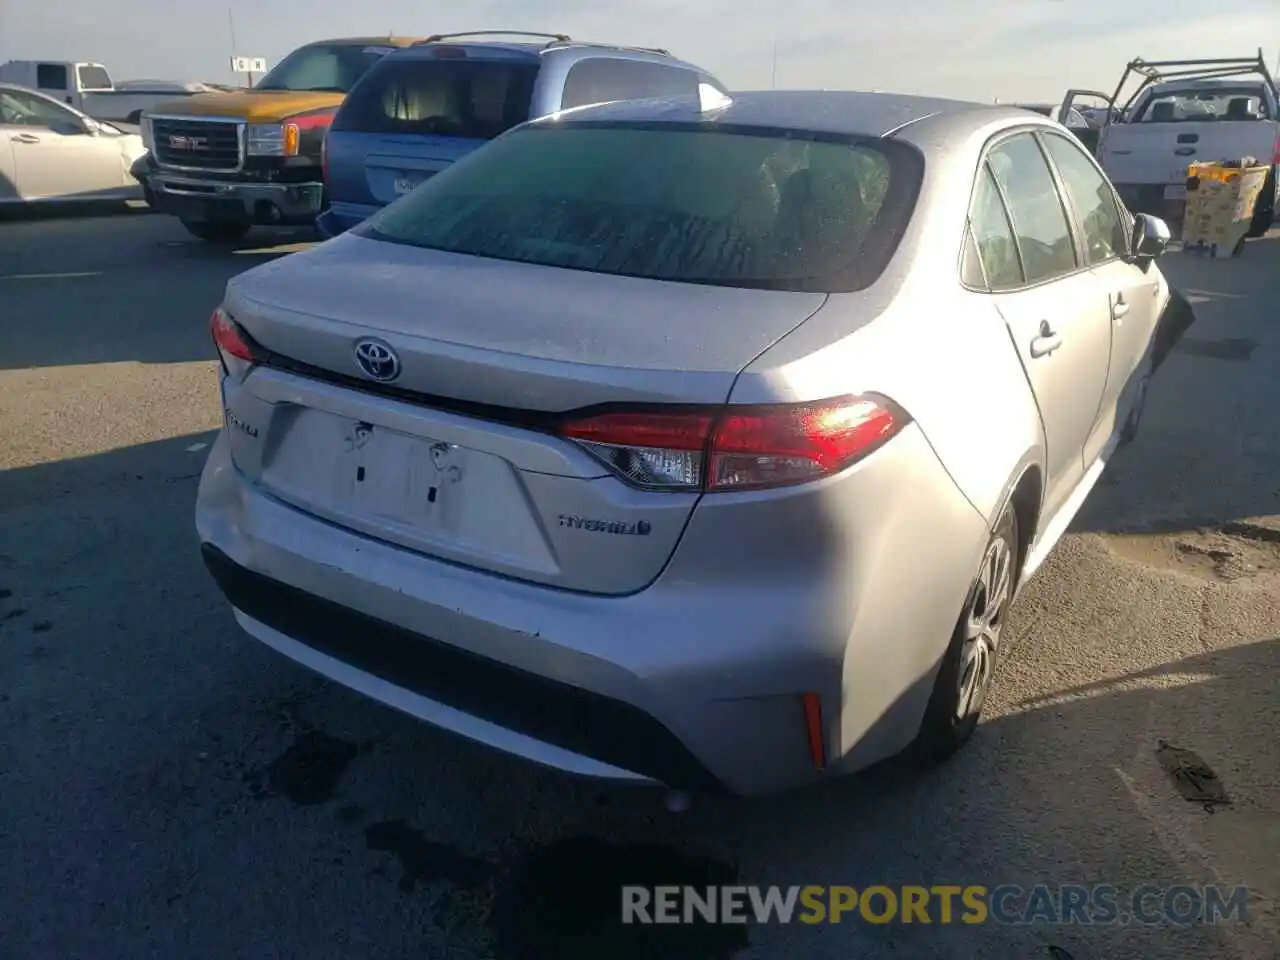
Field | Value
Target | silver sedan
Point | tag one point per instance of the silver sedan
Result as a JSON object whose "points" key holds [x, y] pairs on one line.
{"points": [[700, 442]]}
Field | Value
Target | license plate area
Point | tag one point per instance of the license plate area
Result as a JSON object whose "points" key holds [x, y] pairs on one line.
{"points": [[408, 488], [405, 184], [391, 477], [1175, 191]]}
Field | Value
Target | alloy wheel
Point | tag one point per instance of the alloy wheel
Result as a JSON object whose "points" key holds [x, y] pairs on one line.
{"points": [[992, 593]]}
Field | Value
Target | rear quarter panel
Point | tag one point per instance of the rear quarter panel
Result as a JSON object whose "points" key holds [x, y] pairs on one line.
{"points": [[920, 338]]}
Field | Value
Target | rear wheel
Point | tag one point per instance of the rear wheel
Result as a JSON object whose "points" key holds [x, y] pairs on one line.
{"points": [[217, 231], [968, 667]]}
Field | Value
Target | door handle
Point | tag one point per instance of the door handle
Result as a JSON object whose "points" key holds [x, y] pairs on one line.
{"points": [[25, 138], [1120, 307], [1047, 342]]}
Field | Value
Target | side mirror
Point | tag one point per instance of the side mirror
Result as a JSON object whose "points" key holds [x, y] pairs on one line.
{"points": [[1151, 236]]}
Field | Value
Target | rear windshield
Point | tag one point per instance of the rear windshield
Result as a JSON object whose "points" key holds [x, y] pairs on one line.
{"points": [[331, 67], [730, 206], [1197, 106], [476, 99]]}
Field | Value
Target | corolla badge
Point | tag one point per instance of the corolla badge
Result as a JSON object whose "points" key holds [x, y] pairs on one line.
{"points": [[377, 360]]}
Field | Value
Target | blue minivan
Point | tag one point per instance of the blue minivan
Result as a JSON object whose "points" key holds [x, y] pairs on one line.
{"points": [[421, 108]]}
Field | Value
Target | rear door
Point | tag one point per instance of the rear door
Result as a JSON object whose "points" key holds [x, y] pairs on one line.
{"points": [[1133, 295], [1055, 310], [414, 114]]}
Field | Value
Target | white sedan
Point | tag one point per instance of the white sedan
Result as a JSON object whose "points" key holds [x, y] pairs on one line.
{"points": [[50, 152]]}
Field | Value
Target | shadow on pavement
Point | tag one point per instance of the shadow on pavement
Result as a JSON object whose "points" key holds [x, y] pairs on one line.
{"points": [[80, 290], [142, 727]]}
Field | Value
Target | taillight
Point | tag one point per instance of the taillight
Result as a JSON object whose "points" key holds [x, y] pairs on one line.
{"points": [[236, 351], [737, 448]]}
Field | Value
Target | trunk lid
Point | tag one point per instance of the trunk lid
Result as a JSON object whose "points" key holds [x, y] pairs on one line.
{"points": [[463, 486]]}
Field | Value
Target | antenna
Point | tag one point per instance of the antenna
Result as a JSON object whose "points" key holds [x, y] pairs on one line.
{"points": [[773, 70], [231, 28]]}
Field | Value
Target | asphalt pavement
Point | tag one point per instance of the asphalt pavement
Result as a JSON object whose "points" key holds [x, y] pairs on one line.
{"points": [[170, 788]]}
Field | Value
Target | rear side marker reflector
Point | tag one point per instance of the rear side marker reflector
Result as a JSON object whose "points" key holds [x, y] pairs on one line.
{"points": [[737, 448], [813, 728]]}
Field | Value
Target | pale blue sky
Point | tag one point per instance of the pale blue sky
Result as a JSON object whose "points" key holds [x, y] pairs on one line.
{"points": [[1012, 49]]}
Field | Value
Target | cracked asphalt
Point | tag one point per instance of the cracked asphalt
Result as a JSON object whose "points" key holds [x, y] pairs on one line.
{"points": [[169, 788]]}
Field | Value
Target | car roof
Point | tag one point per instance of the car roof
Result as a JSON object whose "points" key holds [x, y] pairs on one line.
{"points": [[529, 50], [841, 112], [534, 50], [366, 42]]}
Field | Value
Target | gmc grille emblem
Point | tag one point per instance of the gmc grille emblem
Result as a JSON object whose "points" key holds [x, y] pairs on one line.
{"points": [[188, 143]]}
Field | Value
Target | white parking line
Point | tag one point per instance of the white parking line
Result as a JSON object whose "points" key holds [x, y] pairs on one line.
{"points": [[51, 276]]}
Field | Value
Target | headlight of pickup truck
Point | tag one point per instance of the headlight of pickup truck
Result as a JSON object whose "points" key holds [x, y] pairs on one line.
{"points": [[271, 139]]}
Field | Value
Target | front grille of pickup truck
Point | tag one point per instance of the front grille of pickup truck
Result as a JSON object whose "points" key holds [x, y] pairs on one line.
{"points": [[197, 144]]}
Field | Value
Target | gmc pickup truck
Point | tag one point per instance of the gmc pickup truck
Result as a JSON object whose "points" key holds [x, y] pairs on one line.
{"points": [[1185, 112], [223, 162]]}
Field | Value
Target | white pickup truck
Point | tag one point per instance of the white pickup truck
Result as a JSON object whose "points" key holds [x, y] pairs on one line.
{"points": [[88, 87], [1186, 112]]}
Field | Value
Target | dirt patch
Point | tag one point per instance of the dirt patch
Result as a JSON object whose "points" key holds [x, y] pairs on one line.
{"points": [[1230, 551]]}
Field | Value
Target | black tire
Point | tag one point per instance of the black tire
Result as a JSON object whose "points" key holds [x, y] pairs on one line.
{"points": [[1264, 213], [954, 708], [217, 231]]}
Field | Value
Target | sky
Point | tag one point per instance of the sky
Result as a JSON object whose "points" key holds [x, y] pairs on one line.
{"points": [[1027, 50]]}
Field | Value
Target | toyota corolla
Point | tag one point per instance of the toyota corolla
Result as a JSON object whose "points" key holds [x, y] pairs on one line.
{"points": [[703, 442]]}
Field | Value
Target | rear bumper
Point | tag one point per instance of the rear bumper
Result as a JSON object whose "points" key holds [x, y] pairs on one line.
{"points": [[191, 196], [583, 723], [694, 682]]}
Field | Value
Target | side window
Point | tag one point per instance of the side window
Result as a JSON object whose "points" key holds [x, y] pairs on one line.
{"points": [[25, 110], [1105, 235], [603, 79], [51, 76], [1039, 218], [993, 236]]}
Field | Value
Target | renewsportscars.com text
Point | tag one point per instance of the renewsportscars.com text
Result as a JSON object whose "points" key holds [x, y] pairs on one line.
{"points": [[1008, 904]]}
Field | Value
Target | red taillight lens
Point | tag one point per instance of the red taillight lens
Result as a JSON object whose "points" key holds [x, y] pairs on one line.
{"points": [[747, 448], [229, 338]]}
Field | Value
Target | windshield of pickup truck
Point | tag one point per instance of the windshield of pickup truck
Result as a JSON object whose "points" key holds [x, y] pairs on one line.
{"points": [[333, 67], [1200, 105]]}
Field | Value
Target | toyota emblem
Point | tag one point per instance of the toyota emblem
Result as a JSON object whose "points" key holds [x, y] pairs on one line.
{"points": [[377, 360]]}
